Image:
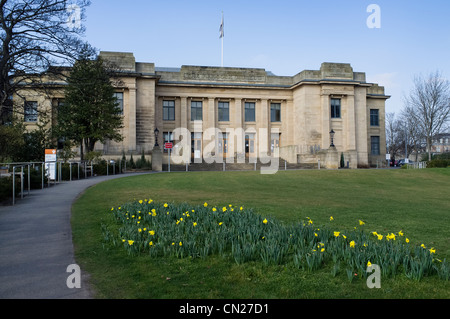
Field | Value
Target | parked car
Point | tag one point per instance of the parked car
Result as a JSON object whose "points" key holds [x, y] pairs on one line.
{"points": [[402, 162]]}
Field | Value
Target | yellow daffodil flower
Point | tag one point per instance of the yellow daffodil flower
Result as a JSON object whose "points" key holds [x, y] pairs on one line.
{"points": [[130, 242], [205, 204], [432, 250], [400, 233], [265, 221], [361, 223], [352, 243], [369, 264], [331, 218], [336, 234]]}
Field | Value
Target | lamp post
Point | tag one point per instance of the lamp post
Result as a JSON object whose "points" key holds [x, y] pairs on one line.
{"points": [[156, 131], [332, 137]]}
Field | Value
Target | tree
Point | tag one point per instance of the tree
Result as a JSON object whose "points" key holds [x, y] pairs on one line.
{"points": [[35, 35], [394, 138], [90, 112], [429, 105]]}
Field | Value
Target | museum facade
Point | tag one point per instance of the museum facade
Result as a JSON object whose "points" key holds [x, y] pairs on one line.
{"points": [[238, 114]]}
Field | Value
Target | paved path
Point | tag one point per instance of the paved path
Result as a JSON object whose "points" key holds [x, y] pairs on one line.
{"points": [[36, 243]]}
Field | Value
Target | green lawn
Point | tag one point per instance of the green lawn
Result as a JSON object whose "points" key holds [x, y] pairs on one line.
{"points": [[414, 201]]}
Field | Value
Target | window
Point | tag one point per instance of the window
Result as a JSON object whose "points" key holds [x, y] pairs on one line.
{"points": [[275, 112], [224, 111], [274, 141], [335, 108], [375, 145], [196, 111], [169, 110], [249, 111], [374, 118], [119, 98], [31, 113]]}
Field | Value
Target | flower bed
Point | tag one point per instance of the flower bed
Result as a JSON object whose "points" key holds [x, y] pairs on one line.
{"points": [[186, 231]]}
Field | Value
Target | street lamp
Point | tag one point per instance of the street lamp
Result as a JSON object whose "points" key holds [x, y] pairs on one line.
{"points": [[332, 137], [156, 131]]}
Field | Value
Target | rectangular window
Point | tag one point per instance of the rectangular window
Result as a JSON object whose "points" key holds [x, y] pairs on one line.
{"points": [[275, 112], [169, 110], [274, 141], [335, 108], [30, 111], [224, 111], [119, 98], [375, 145], [374, 117], [196, 111], [250, 112]]}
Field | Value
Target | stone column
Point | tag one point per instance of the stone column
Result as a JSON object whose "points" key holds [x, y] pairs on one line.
{"points": [[132, 120]]}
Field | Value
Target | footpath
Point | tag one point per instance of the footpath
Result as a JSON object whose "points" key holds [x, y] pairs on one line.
{"points": [[36, 243]]}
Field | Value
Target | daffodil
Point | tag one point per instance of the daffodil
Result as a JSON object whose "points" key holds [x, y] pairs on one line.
{"points": [[140, 202], [336, 234], [265, 221], [352, 243], [407, 240], [130, 242], [331, 218], [361, 222], [214, 209], [152, 232], [180, 244], [224, 209], [423, 246], [369, 264], [150, 243], [241, 208], [400, 233], [194, 224], [165, 205], [205, 204], [380, 237], [322, 250], [220, 224], [432, 250]]}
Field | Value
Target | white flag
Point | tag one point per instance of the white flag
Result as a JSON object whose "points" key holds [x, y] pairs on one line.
{"points": [[221, 29]]}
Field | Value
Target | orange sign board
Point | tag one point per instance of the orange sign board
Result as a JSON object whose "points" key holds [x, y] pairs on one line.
{"points": [[50, 152]]}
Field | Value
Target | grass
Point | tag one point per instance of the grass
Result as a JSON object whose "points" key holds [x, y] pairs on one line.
{"points": [[414, 201]]}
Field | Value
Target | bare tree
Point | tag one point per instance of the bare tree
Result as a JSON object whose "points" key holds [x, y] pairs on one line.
{"points": [[394, 137], [428, 104], [35, 35]]}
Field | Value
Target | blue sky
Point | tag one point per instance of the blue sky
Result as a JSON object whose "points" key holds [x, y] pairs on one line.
{"points": [[283, 36]]}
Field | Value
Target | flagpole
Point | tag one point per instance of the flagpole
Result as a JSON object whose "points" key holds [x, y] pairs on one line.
{"points": [[222, 36]]}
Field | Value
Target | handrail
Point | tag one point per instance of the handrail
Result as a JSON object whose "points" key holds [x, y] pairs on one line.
{"points": [[88, 166]]}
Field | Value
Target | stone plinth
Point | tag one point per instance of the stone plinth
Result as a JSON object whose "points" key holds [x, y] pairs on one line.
{"points": [[332, 158], [157, 159]]}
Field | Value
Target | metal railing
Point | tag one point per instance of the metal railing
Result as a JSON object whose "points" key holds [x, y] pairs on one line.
{"points": [[17, 169]]}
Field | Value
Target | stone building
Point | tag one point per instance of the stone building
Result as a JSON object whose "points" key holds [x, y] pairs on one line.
{"points": [[240, 113]]}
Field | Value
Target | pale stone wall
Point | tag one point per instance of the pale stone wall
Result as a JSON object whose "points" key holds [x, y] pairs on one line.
{"points": [[304, 99]]}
